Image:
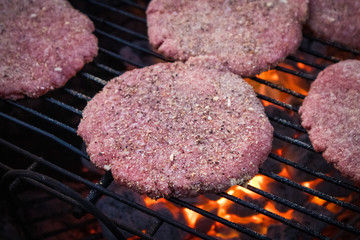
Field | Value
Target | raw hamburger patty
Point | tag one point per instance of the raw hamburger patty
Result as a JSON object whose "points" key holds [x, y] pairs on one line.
{"points": [[246, 36], [336, 20], [331, 114], [175, 129], [42, 45]]}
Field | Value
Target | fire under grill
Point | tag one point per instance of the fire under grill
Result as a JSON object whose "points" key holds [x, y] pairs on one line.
{"points": [[51, 191]]}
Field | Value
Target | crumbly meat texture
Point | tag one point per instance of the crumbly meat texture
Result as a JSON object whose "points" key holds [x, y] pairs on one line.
{"points": [[247, 37], [331, 114], [336, 20], [43, 44], [175, 129]]}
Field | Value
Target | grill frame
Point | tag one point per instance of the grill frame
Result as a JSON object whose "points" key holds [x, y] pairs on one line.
{"points": [[14, 177]]}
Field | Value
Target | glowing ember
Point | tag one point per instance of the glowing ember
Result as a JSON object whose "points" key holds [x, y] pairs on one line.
{"points": [[257, 182], [284, 80], [155, 204], [304, 67], [271, 75], [301, 65], [284, 173], [191, 217], [279, 151]]}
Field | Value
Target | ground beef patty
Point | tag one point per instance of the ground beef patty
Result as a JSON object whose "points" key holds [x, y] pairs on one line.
{"points": [[246, 36], [175, 129], [336, 20], [331, 114], [42, 45]]}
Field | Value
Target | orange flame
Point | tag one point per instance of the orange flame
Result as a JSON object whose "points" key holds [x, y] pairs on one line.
{"points": [[222, 206]]}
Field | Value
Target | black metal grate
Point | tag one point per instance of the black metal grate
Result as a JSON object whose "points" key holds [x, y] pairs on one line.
{"points": [[40, 151]]}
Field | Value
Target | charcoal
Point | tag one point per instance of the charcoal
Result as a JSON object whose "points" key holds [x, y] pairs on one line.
{"points": [[272, 166], [203, 224], [286, 192], [310, 222], [282, 232], [242, 211], [311, 160], [328, 188], [167, 231], [123, 213]]}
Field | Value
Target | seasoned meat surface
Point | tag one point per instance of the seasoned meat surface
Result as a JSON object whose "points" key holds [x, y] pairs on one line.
{"points": [[42, 45], [247, 37], [336, 20], [331, 114], [175, 129]]}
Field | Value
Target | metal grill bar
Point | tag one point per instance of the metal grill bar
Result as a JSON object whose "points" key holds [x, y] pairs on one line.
{"points": [[306, 62], [94, 195], [94, 78], [333, 44], [296, 73], [46, 134], [107, 7], [127, 43], [77, 94], [4, 167], [99, 190], [48, 164], [124, 227], [134, 4], [116, 26], [319, 55], [287, 123], [309, 190], [218, 219], [16, 183], [285, 138], [294, 141], [314, 173], [61, 191], [43, 116], [304, 210], [278, 87], [300, 74], [121, 58], [97, 187], [276, 102], [107, 68], [63, 105], [291, 223]]}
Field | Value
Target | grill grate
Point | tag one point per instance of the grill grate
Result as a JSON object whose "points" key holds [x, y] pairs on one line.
{"points": [[40, 147]]}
